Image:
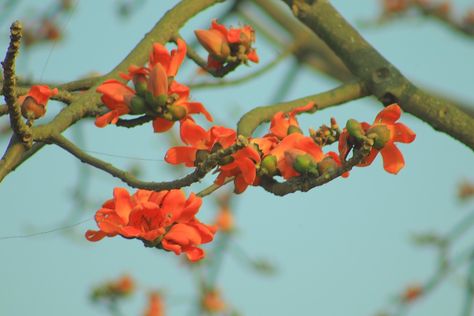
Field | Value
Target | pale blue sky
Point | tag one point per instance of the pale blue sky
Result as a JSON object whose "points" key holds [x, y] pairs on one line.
{"points": [[342, 249]]}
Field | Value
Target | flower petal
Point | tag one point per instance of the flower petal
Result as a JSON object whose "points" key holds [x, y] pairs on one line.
{"points": [[403, 134], [181, 154], [392, 158], [193, 134], [197, 107], [161, 125], [389, 114]]}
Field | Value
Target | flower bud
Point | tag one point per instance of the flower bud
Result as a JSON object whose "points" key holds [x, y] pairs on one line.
{"points": [[305, 164], [201, 155], [354, 128], [153, 102], [380, 134], [269, 165], [327, 165], [177, 112], [214, 42], [294, 129], [31, 109], [136, 105]]}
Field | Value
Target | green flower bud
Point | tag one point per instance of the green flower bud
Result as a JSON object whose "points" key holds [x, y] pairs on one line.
{"points": [[380, 134], [294, 129], [177, 112], [269, 165], [225, 160], [354, 128], [137, 105], [305, 164], [157, 102]]}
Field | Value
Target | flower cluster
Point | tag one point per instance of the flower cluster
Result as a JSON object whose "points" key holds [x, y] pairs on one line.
{"points": [[227, 46], [156, 92], [164, 219]]}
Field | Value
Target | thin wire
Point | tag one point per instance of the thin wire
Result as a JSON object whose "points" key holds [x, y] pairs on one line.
{"points": [[47, 231], [120, 156], [66, 24]]}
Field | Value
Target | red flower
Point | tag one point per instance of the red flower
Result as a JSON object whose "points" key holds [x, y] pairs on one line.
{"points": [[163, 218], [33, 104], [170, 61], [385, 132], [198, 140], [227, 45], [283, 124], [243, 168]]}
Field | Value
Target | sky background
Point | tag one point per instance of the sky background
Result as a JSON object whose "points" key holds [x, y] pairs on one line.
{"points": [[341, 249]]}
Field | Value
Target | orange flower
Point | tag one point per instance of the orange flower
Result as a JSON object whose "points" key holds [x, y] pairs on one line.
{"points": [[155, 305], [212, 301], [199, 141], [164, 219], [227, 45], [283, 124], [295, 154], [385, 132], [243, 168], [33, 104]]}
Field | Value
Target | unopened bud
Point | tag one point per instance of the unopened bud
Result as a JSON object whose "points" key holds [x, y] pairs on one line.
{"points": [[31, 109], [305, 164], [177, 112], [214, 42], [153, 102], [380, 134], [136, 105], [354, 128], [327, 165], [294, 129], [269, 165]]}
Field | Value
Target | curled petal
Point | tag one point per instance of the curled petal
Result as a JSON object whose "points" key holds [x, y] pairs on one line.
{"points": [[252, 56], [110, 117], [194, 253], [389, 114], [197, 107], [240, 184], [191, 208], [159, 54], [95, 235], [177, 57]]}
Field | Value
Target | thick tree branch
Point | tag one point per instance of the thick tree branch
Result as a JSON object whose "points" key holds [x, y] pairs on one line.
{"points": [[382, 78], [344, 93]]}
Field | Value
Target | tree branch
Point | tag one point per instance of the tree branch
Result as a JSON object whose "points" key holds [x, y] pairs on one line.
{"points": [[17, 123], [382, 78]]}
